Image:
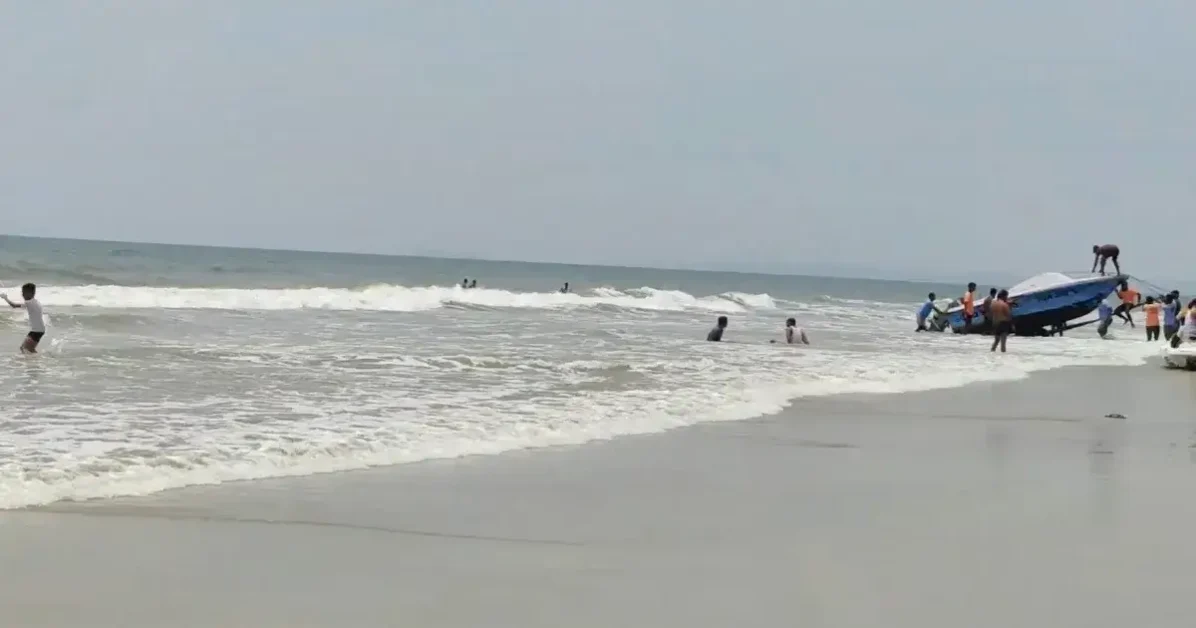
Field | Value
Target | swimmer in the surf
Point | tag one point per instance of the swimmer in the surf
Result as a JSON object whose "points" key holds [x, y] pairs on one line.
{"points": [[473, 283], [37, 326], [565, 289], [795, 335], [465, 283], [716, 334]]}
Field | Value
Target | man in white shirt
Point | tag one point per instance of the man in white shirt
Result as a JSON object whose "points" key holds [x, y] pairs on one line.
{"points": [[37, 326], [795, 335]]}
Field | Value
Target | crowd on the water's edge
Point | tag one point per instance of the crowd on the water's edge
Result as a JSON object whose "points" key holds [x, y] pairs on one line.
{"points": [[1166, 316]]}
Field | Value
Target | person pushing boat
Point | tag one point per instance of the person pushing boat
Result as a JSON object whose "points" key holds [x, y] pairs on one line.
{"points": [[925, 311], [1105, 253]]}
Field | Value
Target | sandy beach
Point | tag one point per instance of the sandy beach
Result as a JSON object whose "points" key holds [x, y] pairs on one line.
{"points": [[1000, 504]]}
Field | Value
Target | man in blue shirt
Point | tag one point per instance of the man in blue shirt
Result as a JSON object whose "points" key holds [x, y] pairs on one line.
{"points": [[924, 313], [1104, 314], [1170, 315]]}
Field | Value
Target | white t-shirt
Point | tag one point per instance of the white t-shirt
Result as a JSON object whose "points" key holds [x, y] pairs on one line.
{"points": [[795, 335], [35, 315]]}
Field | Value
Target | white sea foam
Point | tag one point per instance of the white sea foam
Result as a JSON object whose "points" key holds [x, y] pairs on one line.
{"points": [[391, 298], [220, 398]]}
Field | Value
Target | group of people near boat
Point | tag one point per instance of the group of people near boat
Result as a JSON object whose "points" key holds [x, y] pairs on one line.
{"points": [[995, 312], [1166, 316]]}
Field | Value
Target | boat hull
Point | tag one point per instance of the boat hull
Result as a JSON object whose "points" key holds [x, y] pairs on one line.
{"points": [[1039, 312]]}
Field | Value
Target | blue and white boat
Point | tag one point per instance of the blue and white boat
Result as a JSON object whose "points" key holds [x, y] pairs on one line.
{"points": [[1044, 304]]}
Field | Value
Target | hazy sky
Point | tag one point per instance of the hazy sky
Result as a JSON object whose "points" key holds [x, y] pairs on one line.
{"points": [[924, 135]]}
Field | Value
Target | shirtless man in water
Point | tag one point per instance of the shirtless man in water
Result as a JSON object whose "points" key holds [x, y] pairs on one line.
{"points": [[1105, 253], [1002, 316]]}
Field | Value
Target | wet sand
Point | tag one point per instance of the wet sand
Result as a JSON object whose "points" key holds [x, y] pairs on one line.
{"points": [[1012, 504]]}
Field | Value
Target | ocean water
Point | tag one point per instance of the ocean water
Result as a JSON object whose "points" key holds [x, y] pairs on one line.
{"points": [[167, 366]]}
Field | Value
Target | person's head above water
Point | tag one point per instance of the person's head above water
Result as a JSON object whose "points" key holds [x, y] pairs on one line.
{"points": [[28, 291], [971, 286], [791, 322], [722, 321]]}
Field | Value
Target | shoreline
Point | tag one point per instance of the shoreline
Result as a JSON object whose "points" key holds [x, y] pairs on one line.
{"points": [[849, 510], [327, 466]]}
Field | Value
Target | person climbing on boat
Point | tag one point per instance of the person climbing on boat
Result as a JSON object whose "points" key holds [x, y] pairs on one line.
{"points": [[1129, 300], [1105, 253], [969, 307], [925, 311], [1152, 310]]}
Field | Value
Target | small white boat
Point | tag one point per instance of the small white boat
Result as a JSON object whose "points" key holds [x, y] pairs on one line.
{"points": [[1181, 357]]}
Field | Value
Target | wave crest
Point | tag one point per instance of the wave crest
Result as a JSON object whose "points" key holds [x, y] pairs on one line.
{"points": [[393, 298]]}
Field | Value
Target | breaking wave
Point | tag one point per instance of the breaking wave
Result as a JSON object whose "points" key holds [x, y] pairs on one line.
{"points": [[394, 298]]}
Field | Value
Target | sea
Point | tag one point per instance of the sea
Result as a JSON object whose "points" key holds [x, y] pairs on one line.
{"points": [[167, 366]]}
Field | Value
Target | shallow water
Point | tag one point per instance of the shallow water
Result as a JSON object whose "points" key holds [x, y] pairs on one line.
{"points": [[170, 366]]}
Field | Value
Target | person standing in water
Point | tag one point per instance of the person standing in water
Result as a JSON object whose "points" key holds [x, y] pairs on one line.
{"points": [[985, 308], [565, 289], [1170, 315], [716, 334], [1002, 315], [1105, 253], [33, 307], [969, 307], [1152, 310]]}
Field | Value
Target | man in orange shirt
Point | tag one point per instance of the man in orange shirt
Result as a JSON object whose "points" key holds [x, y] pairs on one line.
{"points": [[969, 306], [1129, 299], [1152, 310]]}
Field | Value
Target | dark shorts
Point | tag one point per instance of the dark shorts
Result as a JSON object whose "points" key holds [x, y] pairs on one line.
{"points": [[1170, 330], [35, 336], [1004, 328]]}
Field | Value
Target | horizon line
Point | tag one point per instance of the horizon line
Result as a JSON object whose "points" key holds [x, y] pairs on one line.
{"points": [[706, 267]]}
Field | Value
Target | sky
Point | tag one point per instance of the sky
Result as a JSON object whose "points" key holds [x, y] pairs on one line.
{"points": [[920, 137]]}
